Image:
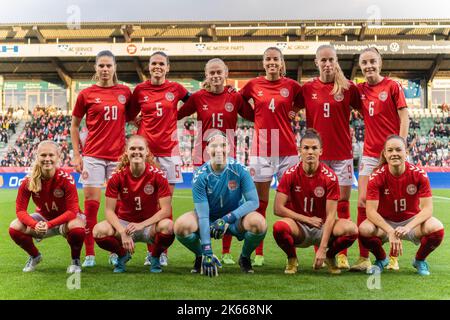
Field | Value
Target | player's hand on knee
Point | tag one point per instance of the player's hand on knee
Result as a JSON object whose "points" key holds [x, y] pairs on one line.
{"points": [[127, 243], [218, 228]]}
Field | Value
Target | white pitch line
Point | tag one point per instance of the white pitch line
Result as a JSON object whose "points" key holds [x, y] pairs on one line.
{"points": [[443, 198]]}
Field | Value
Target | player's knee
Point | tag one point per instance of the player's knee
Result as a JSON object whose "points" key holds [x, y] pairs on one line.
{"points": [[433, 225], [17, 225], [350, 229], [257, 223], [366, 229], [165, 226], [100, 230], [181, 227], [76, 223]]}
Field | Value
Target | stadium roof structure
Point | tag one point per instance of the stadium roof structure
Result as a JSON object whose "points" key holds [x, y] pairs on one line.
{"points": [[62, 52]]}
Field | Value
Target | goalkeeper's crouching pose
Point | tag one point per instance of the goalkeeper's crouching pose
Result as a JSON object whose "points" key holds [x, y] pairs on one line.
{"points": [[225, 201]]}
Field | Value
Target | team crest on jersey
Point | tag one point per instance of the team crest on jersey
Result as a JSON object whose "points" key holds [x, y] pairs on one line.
{"points": [[386, 191], [411, 189], [145, 98], [383, 96], [170, 96], [298, 189], [363, 97], [229, 106], [148, 189], [97, 100], [284, 92], [58, 193], [122, 99], [260, 93], [125, 190], [85, 175], [232, 185], [314, 96], [319, 192], [205, 107], [338, 97]]}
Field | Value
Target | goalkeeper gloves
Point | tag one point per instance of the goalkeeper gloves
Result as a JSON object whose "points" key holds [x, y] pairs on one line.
{"points": [[209, 262], [220, 226]]}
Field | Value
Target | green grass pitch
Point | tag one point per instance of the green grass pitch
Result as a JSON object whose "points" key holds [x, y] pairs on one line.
{"points": [[49, 281]]}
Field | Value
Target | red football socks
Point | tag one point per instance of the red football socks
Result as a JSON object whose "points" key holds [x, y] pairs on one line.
{"points": [[162, 242], [363, 252], [375, 246], [25, 241], [339, 244], [429, 243], [226, 243], [75, 238], [111, 244], [91, 211], [283, 236], [343, 211]]}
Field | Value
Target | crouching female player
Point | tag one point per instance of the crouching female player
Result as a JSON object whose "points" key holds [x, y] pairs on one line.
{"points": [[57, 210], [144, 213], [225, 200], [313, 191], [399, 207]]}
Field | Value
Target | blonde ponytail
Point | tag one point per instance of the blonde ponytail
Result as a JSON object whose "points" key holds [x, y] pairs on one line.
{"points": [[341, 83]]}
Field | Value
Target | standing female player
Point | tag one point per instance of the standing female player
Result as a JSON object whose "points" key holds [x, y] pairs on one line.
{"points": [[217, 109], [385, 113], [104, 104], [328, 101], [157, 99], [313, 191], [55, 195], [145, 209], [274, 148], [399, 207]]}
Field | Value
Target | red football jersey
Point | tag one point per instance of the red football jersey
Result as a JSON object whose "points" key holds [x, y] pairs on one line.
{"points": [[380, 111], [105, 109], [308, 195], [158, 107], [215, 112], [57, 197], [273, 104], [330, 116], [399, 197], [138, 196]]}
